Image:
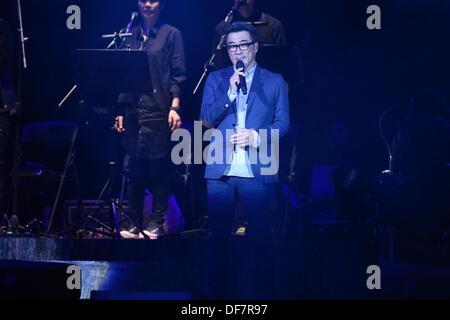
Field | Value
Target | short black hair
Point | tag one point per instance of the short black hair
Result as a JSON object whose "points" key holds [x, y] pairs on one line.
{"points": [[242, 26], [160, 1]]}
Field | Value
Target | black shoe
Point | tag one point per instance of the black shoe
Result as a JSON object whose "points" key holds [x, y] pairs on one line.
{"points": [[154, 232], [130, 233]]}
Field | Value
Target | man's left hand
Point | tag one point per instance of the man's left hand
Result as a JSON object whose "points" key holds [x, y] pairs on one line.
{"points": [[243, 138], [174, 120]]}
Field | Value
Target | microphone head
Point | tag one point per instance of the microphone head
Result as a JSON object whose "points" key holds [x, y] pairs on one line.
{"points": [[240, 64], [133, 21], [134, 15]]}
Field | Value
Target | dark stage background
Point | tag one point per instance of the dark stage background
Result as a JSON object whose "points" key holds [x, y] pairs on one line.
{"points": [[351, 74]]}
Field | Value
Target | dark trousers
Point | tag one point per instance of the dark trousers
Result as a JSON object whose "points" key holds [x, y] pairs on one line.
{"points": [[254, 198], [154, 175], [227, 273]]}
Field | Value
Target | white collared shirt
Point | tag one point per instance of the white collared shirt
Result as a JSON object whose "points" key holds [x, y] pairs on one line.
{"points": [[240, 163]]}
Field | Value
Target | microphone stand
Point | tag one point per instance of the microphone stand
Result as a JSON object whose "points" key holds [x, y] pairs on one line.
{"points": [[116, 37], [22, 65], [228, 20], [290, 185], [22, 38]]}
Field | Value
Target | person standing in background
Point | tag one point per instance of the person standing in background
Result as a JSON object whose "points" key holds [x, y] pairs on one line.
{"points": [[148, 118]]}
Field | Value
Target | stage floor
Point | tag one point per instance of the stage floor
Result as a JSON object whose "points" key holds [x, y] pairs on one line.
{"points": [[330, 263]]}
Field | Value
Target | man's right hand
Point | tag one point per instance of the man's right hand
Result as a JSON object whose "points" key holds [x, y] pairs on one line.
{"points": [[234, 80], [118, 125]]}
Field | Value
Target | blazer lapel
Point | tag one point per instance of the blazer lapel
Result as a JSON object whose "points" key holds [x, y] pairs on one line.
{"points": [[257, 86], [225, 83], [224, 86]]}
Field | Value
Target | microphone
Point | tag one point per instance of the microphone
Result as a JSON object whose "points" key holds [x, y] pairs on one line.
{"points": [[134, 19], [242, 82]]}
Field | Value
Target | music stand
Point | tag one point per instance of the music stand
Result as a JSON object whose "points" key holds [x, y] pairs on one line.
{"points": [[102, 75]]}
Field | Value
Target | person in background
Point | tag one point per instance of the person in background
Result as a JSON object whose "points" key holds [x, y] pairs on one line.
{"points": [[148, 118], [270, 29]]}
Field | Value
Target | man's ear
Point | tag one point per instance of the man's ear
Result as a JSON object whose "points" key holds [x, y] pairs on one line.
{"points": [[257, 46]]}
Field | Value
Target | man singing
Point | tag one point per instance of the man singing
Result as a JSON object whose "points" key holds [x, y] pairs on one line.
{"points": [[249, 109], [265, 105]]}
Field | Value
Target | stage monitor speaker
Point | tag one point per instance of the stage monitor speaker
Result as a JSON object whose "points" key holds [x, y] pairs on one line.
{"points": [[37, 281]]}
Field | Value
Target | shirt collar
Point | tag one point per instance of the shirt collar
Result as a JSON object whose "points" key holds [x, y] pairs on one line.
{"points": [[250, 73], [153, 31]]}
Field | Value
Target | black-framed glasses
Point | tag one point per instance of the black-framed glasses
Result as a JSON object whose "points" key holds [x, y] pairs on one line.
{"points": [[145, 1], [242, 46]]}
